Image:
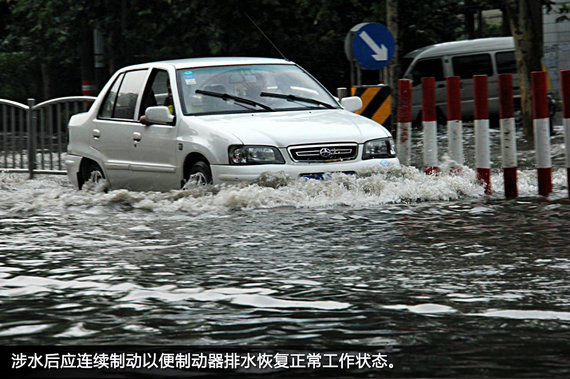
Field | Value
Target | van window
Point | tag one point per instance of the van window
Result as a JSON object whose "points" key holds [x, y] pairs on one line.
{"points": [[468, 65], [506, 63], [427, 67]]}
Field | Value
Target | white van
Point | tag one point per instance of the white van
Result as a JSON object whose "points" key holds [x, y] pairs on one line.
{"points": [[488, 56]]}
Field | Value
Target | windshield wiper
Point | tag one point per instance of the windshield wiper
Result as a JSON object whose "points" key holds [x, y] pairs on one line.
{"points": [[227, 96], [291, 97]]}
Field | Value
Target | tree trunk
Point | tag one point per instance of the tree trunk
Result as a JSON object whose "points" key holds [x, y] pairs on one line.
{"points": [[394, 67], [469, 15], [116, 45], [87, 61], [505, 24], [47, 82], [528, 45]]}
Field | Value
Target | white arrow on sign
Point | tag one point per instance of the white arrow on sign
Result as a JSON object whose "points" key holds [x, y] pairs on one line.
{"points": [[380, 53]]}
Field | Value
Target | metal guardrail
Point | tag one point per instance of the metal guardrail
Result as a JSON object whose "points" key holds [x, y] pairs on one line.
{"points": [[33, 137]]}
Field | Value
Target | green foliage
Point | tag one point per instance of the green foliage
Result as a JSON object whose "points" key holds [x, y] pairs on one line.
{"points": [[18, 77], [310, 32], [427, 22], [563, 11]]}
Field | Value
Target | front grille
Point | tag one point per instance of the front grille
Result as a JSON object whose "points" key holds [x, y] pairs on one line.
{"points": [[324, 153]]}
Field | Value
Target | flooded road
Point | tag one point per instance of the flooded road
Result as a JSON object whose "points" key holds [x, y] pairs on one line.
{"points": [[446, 281]]}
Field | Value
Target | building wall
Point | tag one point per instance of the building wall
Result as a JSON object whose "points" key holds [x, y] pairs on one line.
{"points": [[556, 46]]}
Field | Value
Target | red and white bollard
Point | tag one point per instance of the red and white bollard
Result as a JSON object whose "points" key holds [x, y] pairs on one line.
{"points": [[541, 125], [482, 149], [88, 88], [508, 135], [565, 81], [454, 123], [429, 125], [404, 137]]}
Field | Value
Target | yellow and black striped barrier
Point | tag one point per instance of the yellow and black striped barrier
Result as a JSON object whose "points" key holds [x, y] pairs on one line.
{"points": [[376, 103]]}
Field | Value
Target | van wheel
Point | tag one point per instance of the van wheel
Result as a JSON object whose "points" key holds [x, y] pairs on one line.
{"points": [[200, 174]]}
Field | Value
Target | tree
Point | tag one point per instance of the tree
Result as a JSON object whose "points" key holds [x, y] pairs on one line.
{"points": [[525, 19], [47, 32], [526, 29], [392, 22]]}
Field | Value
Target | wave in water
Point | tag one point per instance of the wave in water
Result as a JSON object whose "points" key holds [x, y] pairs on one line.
{"points": [[383, 186]]}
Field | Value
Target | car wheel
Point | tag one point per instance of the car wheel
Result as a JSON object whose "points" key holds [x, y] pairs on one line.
{"points": [[200, 174], [91, 174]]}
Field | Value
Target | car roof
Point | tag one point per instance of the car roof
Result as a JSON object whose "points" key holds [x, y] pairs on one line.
{"points": [[461, 47], [210, 62]]}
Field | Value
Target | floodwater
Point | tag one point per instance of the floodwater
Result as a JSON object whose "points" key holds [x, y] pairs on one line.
{"points": [[444, 280]]}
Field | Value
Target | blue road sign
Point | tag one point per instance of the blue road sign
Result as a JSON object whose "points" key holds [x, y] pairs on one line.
{"points": [[373, 46]]}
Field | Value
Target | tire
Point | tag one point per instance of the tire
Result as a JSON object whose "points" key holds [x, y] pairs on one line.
{"points": [[92, 173], [200, 174]]}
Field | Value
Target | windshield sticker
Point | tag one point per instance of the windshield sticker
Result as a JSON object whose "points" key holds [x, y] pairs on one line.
{"points": [[189, 78]]}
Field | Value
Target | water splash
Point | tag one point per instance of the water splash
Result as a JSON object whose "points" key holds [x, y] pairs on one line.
{"points": [[390, 185]]}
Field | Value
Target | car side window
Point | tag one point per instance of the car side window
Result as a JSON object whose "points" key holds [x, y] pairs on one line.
{"points": [[128, 94], [506, 63], [424, 68], [109, 102], [468, 65], [157, 92]]}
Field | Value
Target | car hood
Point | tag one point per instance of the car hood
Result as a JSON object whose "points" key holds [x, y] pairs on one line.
{"points": [[284, 129]]}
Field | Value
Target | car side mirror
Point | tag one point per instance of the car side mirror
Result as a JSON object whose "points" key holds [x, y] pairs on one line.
{"points": [[158, 115], [351, 103]]}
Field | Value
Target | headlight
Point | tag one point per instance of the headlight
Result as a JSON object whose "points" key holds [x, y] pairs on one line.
{"points": [[240, 154], [379, 148]]}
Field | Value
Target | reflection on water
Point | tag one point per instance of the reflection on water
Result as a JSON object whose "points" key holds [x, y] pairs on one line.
{"points": [[449, 282]]}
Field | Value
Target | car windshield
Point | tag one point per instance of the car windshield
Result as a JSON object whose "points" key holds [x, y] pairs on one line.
{"points": [[250, 88]]}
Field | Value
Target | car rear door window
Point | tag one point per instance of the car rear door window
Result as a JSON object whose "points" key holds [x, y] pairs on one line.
{"points": [[427, 68], [468, 65], [506, 62], [128, 94], [109, 102]]}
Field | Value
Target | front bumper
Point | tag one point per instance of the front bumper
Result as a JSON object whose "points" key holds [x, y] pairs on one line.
{"points": [[235, 173]]}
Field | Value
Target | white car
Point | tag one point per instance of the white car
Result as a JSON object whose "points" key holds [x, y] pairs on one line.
{"points": [[159, 125]]}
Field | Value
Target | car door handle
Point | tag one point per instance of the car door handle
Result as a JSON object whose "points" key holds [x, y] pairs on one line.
{"points": [[137, 136], [96, 133]]}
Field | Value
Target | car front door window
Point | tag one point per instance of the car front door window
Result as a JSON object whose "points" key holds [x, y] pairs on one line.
{"points": [[158, 92]]}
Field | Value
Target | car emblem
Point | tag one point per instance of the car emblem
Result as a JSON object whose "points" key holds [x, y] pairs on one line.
{"points": [[325, 152]]}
